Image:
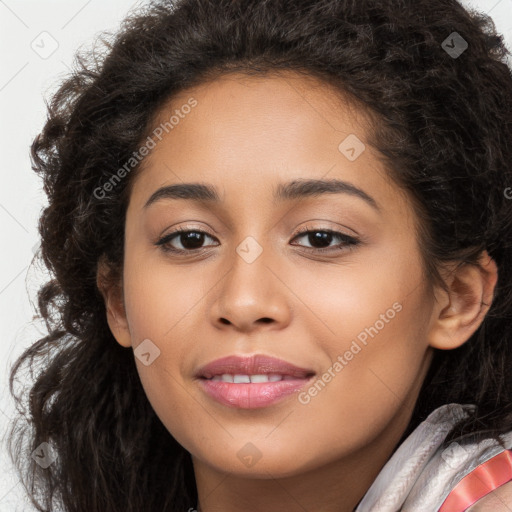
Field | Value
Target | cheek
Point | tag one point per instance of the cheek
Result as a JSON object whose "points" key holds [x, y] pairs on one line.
{"points": [[368, 302], [161, 306], [160, 297], [364, 388], [382, 353], [376, 346]]}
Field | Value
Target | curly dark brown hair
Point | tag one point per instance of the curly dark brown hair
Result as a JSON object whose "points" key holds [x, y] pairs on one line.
{"points": [[443, 125]]}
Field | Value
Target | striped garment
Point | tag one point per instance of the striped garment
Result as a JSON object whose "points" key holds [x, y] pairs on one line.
{"points": [[422, 477]]}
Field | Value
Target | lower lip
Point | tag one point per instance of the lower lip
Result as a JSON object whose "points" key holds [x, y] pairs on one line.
{"points": [[251, 396]]}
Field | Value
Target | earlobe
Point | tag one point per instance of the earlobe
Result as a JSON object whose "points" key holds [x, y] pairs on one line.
{"points": [[113, 296], [464, 305]]}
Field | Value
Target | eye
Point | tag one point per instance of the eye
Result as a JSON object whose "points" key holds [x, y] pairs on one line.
{"points": [[324, 238], [190, 240]]}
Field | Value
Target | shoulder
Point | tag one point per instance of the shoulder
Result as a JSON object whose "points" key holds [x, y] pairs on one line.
{"points": [[499, 500]]}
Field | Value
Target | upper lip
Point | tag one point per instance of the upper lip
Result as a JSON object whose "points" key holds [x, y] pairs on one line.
{"points": [[252, 365]]}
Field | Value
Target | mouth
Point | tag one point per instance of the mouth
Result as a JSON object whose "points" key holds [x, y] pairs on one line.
{"points": [[252, 382], [252, 369]]}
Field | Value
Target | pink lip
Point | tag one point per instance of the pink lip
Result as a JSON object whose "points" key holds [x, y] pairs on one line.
{"points": [[249, 395]]}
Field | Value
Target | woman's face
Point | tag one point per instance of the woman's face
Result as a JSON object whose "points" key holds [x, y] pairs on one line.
{"points": [[355, 314]]}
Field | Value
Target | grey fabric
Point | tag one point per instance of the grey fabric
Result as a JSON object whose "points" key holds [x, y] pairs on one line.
{"points": [[419, 475]]}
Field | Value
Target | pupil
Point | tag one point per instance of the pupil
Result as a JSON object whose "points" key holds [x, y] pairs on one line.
{"points": [[320, 236], [192, 240]]}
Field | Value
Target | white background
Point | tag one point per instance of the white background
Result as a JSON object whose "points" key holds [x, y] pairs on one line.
{"points": [[25, 79]]}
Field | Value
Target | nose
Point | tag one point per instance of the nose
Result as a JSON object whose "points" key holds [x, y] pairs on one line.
{"points": [[252, 295]]}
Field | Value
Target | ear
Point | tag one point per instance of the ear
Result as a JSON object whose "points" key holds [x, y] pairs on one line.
{"points": [[459, 311], [112, 293]]}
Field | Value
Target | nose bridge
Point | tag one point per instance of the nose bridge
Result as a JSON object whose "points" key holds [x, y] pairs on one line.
{"points": [[250, 265], [250, 273]]}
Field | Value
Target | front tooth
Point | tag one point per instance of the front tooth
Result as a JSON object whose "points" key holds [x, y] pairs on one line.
{"points": [[259, 378], [247, 379]]}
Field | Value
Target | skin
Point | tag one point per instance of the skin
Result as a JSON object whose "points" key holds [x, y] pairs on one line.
{"points": [[245, 136]]}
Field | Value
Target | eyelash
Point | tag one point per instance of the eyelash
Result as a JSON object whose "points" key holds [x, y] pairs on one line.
{"points": [[348, 242]]}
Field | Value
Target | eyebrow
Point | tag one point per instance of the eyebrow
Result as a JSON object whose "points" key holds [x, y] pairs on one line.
{"points": [[296, 189]]}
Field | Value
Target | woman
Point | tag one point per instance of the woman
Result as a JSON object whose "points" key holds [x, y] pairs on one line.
{"points": [[281, 243]]}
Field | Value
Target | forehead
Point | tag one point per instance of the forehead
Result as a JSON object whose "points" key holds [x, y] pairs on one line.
{"points": [[253, 133]]}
